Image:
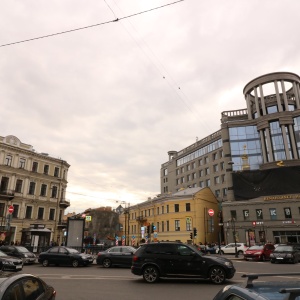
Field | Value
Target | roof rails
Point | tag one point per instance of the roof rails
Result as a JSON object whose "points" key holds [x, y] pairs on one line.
{"points": [[293, 293]]}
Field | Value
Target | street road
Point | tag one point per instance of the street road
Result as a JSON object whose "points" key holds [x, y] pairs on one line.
{"points": [[95, 282]]}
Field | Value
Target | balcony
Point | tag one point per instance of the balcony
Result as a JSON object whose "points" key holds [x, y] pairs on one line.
{"points": [[7, 195], [64, 203], [141, 219], [62, 224]]}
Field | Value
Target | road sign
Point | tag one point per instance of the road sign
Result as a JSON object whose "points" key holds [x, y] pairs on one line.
{"points": [[211, 212], [11, 209]]}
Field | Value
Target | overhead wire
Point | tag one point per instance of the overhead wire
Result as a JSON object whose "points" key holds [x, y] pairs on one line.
{"points": [[89, 26]]}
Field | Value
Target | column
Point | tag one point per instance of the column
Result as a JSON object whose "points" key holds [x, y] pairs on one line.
{"points": [[284, 96], [262, 99], [293, 142], [286, 147], [248, 107], [296, 92], [268, 137], [263, 146], [278, 96], [256, 103]]}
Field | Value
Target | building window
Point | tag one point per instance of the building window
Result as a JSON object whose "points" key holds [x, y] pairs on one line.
{"points": [[201, 184], [223, 178], [157, 226], [2, 207], [189, 177], [158, 210], [34, 166], [177, 172], [182, 170], [40, 213], [273, 214], [287, 213], [8, 160], [188, 207], [221, 153], [217, 180], [217, 193], [201, 173], [168, 225], [208, 182], [193, 165], [259, 214], [233, 214], [215, 156], [46, 169], [31, 188], [19, 184], [200, 162], [177, 225], [51, 214], [16, 211], [206, 160], [194, 175], [165, 172], [188, 224], [246, 214], [188, 167], [28, 212], [177, 181], [43, 190], [225, 192], [207, 171], [176, 207], [167, 208], [162, 226], [216, 168], [222, 164], [162, 210], [54, 192], [56, 171], [22, 163]]}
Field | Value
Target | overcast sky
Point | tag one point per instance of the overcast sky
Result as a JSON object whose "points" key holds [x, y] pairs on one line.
{"points": [[113, 99]]}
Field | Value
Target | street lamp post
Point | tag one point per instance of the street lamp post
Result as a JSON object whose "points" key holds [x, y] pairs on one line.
{"points": [[234, 236]]}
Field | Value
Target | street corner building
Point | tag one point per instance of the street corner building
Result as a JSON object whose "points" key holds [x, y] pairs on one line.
{"points": [[251, 164], [32, 195]]}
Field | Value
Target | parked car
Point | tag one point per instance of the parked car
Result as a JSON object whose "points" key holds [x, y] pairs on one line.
{"points": [[24, 286], [230, 248], [116, 256], [61, 255], [174, 259], [259, 252], [20, 252], [264, 290], [10, 263], [286, 254]]}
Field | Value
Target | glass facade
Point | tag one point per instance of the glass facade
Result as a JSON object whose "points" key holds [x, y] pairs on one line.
{"points": [[200, 152], [245, 145], [297, 133]]}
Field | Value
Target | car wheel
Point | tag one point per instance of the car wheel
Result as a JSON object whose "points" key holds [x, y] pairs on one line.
{"points": [[75, 263], [106, 263], [295, 261], [150, 274], [217, 275], [240, 252], [45, 262]]}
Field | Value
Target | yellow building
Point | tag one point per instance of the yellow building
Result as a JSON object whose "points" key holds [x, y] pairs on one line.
{"points": [[173, 217]]}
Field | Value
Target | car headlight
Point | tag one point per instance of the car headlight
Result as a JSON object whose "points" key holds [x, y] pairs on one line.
{"points": [[257, 253], [25, 255], [271, 255], [228, 263], [289, 255]]}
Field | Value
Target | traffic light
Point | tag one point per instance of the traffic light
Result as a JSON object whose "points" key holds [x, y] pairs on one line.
{"points": [[195, 231], [191, 235], [148, 229]]}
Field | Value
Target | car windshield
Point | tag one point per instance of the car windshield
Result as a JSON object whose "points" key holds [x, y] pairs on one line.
{"points": [[22, 249], [256, 247], [3, 254], [284, 249]]}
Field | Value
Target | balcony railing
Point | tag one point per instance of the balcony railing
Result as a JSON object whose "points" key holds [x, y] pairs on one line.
{"points": [[64, 203], [7, 194]]}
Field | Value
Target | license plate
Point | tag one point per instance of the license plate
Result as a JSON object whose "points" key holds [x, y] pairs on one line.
{"points": [[279, 257], [18, 267]]}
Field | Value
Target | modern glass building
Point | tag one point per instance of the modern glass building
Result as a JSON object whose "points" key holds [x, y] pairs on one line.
{"points": [[252, 164]]}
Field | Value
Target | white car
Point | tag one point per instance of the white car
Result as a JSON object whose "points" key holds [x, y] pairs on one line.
{"points": [[230, 248]]}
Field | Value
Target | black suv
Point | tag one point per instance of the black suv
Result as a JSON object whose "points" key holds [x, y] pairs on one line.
{"points": [[286, 254], [174, 259]]}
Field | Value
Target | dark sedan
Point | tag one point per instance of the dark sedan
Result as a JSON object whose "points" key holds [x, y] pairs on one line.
{"points": [[10, 263], [20, 252], [116, 256], [24, 286], [286, 254], [64, 256]]}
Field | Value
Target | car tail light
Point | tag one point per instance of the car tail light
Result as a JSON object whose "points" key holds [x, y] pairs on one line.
{"points": [[135, 258]]}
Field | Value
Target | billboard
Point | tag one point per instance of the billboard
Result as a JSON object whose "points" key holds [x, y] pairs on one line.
{"points": [[75, 232]]}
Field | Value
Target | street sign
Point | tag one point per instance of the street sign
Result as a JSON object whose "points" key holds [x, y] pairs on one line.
{"points": [[211, 212], [11, 209]]}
